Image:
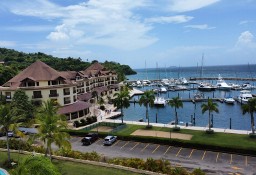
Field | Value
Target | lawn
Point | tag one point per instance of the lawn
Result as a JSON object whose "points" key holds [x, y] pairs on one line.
{"points": [[225, 140], [73, 168]]}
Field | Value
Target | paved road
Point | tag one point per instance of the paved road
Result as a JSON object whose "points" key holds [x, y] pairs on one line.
{"points": [[209, 161], [212, 162]]}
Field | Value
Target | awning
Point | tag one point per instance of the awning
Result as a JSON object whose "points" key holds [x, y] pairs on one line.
{"points": [[75, 107]]}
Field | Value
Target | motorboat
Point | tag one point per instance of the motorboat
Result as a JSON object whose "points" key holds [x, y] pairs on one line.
{"points": [[247, 86], [205, 87], [159, 101], [198, 95], [235, 86], [163, 89], [182, 81], [146, 82], [229, 100], [222, 85], [244, 96]]}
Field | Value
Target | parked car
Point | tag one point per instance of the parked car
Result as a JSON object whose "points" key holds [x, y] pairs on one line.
{"points": [[90, 138], [109, 140], [12, 134], [2, 134]]}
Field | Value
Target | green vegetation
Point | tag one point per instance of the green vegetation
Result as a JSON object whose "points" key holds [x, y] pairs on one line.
{"points": [[8, 121], [250, 108], [210, 106], [239, 143], [147, 100], [122, 100], [16, 61], [50, 127], [36, 165], [71, 168], [176, 103]]}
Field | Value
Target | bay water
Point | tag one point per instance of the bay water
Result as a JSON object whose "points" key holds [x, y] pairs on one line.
{"points": [[228, 116]]}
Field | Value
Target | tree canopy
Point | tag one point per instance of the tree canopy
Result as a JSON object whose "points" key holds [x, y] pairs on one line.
{"points": [[15, 61]]}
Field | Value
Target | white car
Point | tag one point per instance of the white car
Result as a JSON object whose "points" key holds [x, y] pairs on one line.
{"points": [[109, 140]]}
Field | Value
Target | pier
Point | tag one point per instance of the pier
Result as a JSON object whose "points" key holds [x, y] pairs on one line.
{"points": [[189, 100]]}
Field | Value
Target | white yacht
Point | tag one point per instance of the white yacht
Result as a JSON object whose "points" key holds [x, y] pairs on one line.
{"points": [[159, 101], [244, 96], [205, 87], [163, 89], [222, 85], [229, 100], [247, 86]]}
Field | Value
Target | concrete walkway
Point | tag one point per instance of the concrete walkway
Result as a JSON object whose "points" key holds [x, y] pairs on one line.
{"points": [[135, 92]]}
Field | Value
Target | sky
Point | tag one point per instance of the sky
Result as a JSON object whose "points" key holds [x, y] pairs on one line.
{"points": [[140, 33]]}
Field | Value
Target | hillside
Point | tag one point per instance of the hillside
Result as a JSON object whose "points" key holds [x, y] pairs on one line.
{"points": [[15, 61]]}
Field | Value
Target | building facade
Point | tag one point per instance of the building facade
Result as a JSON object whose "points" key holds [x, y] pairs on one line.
{"points": [[41, 83]]}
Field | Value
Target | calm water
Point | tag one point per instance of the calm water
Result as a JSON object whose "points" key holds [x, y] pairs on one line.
{"points": [[166, 114]]}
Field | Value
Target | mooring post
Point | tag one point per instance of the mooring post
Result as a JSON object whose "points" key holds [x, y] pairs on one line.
{"points": [[230, 123]]}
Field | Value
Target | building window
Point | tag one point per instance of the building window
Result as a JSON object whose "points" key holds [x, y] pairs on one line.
{"points": [[54, 82], [74, 98], [81, 113], [66, 91], [67, 100], [74, 115], [53, 93], [74, 90], [8, 95], [30, 83], [37, 94]]}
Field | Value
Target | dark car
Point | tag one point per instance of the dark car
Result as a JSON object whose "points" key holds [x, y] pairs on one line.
{"points": [[90, 138]]}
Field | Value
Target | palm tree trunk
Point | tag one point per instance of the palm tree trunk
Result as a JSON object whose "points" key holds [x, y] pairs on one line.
{"points": [[252, 124], [209, 120], [46, 151], [8, 147], [176, 118], [147, 114], [122, 115]]}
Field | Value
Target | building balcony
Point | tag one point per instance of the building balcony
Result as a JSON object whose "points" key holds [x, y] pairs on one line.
{"points": [[37, 96], [67, 102], [66, 93], [54, 95]]}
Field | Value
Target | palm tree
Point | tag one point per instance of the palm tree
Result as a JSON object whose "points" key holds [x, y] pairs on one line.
{"points": [[250, 107], [95, 97], [37, 165], [176, 103], [50, 127], [147, 99], [8, 119], [210, 106], [122, 100]]}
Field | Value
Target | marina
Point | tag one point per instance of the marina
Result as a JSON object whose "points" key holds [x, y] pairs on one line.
{"points": [[230, 113]]}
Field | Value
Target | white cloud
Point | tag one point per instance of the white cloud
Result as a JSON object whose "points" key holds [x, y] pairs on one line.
{"points": [[189, 5], [169, 19], [39, 28], [246, 40], [245, 22], [201, 27], [7, 43]]}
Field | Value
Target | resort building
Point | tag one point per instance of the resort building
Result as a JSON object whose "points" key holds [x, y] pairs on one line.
{"points": [[72, 90]]}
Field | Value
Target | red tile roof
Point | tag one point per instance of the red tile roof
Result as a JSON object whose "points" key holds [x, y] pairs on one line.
{"points": [[38, 71], [75, 107]]}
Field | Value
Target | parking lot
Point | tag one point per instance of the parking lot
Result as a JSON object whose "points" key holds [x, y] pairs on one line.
{"points": [[192, 158]]}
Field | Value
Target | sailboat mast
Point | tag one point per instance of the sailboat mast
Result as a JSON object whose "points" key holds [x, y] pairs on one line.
{"points": [[202, 64], [146, 70]]}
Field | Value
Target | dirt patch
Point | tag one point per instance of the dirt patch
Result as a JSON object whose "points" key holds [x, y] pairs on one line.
{"points": [[162, 134], [103, 129]]}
